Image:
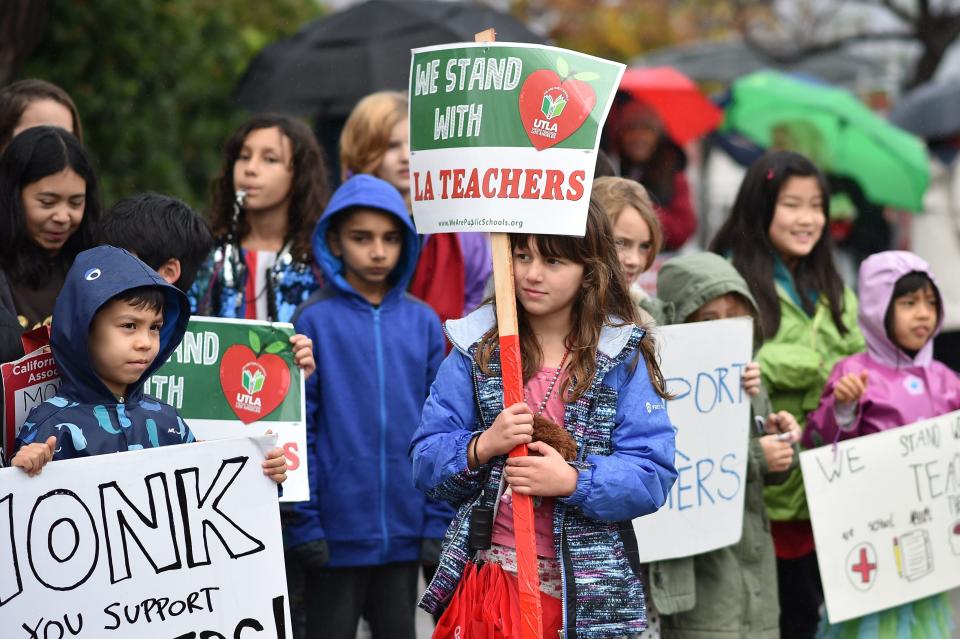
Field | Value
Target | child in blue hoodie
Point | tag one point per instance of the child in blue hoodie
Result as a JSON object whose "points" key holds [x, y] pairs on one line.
{"points": [[116, 321], [377, 350]]}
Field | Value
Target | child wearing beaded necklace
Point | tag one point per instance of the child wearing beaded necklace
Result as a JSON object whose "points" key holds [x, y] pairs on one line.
{"points": [[592, 371]]}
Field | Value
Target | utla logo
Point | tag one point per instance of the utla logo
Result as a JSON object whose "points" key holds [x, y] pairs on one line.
{"points": [[253, 378], [554, 99], [554, 104], [255, 382], [253, 375]]}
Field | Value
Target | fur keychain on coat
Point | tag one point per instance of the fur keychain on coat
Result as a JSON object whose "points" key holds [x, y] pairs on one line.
{"points": [[556, 436]]}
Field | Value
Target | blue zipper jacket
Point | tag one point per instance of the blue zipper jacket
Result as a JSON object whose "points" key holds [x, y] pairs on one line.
{"points": [[626, 452], [85, 416], [375, 365]]}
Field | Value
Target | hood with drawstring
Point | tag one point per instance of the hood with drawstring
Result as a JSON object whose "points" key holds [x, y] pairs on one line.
{"points": [[879, 274], [687, 282], [366, 192], [899, 390], [375, 364], [85, 416]]}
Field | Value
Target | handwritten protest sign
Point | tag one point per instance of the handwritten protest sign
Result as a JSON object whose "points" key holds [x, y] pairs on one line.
{"points": [[182, 541], [703, 365], [27, 383], [504, 136], [230, 378], [886, 516]]}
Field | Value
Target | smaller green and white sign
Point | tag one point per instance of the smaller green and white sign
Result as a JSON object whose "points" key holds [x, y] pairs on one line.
{"points": [[504, 136], [238, 378]]}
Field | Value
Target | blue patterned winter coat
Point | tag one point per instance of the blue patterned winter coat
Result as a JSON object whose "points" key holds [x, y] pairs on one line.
{"points": [[85, 416], [626, 464]]}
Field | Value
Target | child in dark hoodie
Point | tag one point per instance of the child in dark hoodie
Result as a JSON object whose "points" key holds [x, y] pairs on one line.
{"points": [[114, 324], [377, 351]]}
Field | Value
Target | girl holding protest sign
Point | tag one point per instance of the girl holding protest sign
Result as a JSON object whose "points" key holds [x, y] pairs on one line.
{"points": [[454, 268], [592, 372], [266, 202], [731, 591], [49, 205], [775, 238], [896, 382]]}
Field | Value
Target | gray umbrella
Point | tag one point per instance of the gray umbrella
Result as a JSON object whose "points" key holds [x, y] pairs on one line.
{"points": [[327, 66], [726, 60], [930, 111]]}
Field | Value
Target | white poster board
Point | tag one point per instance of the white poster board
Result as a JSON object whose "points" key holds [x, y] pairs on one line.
{"points": [[886, 516], [703, 365], [176, 542]]}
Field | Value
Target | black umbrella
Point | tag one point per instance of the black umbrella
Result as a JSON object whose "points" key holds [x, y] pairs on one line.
{"points": [[930, 111], [327, 66]]}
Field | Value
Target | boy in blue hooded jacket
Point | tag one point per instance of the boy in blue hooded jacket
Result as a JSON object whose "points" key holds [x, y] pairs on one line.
{"points": [[377, 351], [116, 321]]}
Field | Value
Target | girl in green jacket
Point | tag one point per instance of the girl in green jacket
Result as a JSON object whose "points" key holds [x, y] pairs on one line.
{"points": [[777, 238]]}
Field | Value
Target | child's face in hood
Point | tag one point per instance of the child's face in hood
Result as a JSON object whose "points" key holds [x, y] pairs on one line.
{"points": [[723, 307], [124, 341], [915, 318], [369, 242]]}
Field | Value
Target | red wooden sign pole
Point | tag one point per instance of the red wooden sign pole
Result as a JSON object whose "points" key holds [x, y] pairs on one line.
{"points": [[512, 372]]}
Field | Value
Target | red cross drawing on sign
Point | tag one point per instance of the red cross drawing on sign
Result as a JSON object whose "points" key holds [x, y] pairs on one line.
{"points": [[864, 567]]}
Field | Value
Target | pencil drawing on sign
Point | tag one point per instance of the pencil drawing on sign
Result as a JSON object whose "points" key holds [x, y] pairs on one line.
{"points": [[914, 555], [862, 566]]}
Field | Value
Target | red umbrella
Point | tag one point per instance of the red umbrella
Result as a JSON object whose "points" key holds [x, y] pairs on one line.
{"points": [[686, 113]]}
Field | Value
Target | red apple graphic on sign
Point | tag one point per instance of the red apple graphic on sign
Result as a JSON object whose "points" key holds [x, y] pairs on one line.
{"points": [[253, 385], [552, 107]]}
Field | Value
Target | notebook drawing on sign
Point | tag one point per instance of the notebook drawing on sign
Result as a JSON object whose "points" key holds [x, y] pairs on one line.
{"points": [[914, 554]]}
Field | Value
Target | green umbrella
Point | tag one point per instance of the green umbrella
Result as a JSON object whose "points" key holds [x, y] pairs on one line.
{"points": [[836, 130]]}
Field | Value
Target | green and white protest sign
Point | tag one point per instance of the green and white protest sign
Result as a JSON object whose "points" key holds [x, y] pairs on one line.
{"points": [[231, 378], [504, 136]]}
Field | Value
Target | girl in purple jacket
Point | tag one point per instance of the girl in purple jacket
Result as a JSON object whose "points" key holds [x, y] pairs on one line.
{"points": [[896, 382]]}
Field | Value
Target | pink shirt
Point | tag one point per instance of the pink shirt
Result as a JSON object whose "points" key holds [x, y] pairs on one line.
{"points": [[503, 533]]}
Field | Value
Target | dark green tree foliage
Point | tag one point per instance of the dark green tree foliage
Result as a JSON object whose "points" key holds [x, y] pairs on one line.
{"points": [[153, 80]]}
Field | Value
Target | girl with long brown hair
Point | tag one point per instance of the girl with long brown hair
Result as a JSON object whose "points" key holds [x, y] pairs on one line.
{"points": [[266, 203], [590, 373]]}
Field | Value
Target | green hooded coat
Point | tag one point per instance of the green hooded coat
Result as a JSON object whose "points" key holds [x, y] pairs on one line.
{"points": [[730, 592]]}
